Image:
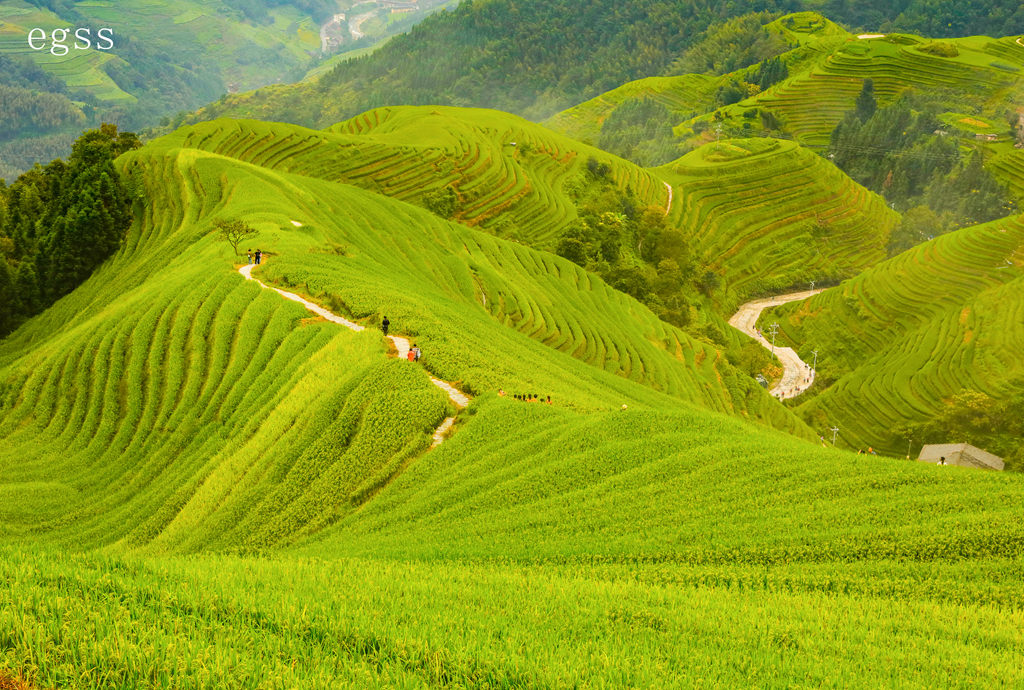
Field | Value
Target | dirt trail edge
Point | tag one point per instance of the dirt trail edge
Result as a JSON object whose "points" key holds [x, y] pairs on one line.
{"points": [[458, 398], [795, 371], [668, 206]]}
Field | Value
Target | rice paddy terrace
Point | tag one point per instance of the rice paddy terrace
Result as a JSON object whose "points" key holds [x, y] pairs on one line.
{"points": [[689, 95], [502, 168], [905, 335], [204, 486], [770, 215], [982, 75]]}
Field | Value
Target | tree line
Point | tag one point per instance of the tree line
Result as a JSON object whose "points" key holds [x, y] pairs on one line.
{"points": [[906, 154], [59, 222]]}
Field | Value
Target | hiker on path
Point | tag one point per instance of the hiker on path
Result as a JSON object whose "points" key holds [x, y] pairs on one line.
{"points": [[248, 255], [383, 324], [259, 256], [416, 352], [411, 356]]}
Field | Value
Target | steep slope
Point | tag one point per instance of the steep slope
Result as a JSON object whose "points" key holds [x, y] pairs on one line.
{"points": [[901, 337], [769, 215], [166, 372]]}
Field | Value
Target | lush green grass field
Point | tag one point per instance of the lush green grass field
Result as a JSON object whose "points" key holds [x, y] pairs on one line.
{"points": [[204, 486], [903, 336]]}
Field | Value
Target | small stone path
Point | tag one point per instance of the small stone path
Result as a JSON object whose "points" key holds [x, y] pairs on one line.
{"points": [[458, 398]]}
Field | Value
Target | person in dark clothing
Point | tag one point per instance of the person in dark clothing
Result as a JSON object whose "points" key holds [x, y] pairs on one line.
{"points": [[259, 256], [383, 324]]}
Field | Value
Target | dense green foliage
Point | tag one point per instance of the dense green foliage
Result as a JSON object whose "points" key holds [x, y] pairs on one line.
{"points": [[731, 45], [640, 130], [970, 416], [60, 222], [898, 152]]}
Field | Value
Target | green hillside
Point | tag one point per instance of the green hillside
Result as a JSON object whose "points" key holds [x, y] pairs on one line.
{"points": [[977, 75], [809, 35], [898, 340], [168, 407], [509, 175], [768, 215]]}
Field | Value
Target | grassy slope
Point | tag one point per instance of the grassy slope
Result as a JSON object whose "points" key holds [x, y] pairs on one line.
{"points": [[409, 152], [769, 215], [166, 329], [689, 95], [914, 330], [169, 405]]}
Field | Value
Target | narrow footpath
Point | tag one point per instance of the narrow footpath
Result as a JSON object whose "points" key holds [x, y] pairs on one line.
{"points": [[797, 376], [458, 398], [668, 206]]}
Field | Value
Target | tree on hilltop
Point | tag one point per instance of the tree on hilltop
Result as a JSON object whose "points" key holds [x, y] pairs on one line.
{"points": [[234, 231]]}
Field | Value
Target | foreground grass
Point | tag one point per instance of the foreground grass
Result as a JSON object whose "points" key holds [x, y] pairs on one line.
{"points": [[93, 621]]}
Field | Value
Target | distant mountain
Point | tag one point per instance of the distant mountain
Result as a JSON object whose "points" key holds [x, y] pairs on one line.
{"points": [[536, 57], [157, 59]]}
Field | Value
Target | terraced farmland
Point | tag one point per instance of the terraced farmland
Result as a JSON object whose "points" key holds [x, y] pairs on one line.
{"points": [[904, 336], [502, 167], [163, 356], [982, 76], [769, 215], [690, 95], [168, 407]]}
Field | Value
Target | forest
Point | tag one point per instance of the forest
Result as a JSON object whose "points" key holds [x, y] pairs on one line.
{"points": [[59, 222], [906, 154]]}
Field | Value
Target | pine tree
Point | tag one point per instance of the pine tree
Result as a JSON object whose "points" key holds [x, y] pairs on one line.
{"points": [[866, 104]]}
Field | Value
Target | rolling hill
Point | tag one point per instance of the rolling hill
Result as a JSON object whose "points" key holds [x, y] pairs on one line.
{"points": [[769, 215], [902, 337], [205, 486]]}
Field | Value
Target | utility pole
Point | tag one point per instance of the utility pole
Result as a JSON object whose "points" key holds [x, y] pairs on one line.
{"points": [[835, 432], [814, 367], [718, 134], [773, 329], [812, 284], [908, 447]]}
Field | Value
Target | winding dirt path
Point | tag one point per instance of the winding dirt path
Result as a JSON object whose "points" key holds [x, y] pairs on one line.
{"points": [[668, 206], [458, 398], [797, 375]]}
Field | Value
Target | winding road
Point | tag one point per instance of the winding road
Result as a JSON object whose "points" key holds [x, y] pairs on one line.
{"points": [[458, 398], [797, 376], [668, 206]]}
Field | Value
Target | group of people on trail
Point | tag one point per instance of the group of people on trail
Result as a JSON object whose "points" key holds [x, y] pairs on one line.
{"points": [[526, 397], [414, 353], [870, 451], [258, 256]]}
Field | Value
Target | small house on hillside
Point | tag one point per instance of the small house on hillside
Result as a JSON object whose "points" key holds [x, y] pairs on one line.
{"points": [[962, 454]]}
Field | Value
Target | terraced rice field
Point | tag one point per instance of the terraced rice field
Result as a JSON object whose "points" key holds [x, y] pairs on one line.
{"points": [[502, 167], [812, 104], [169, 356], [79, 69], [204, 486], [769, 215], [900, 338]]}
